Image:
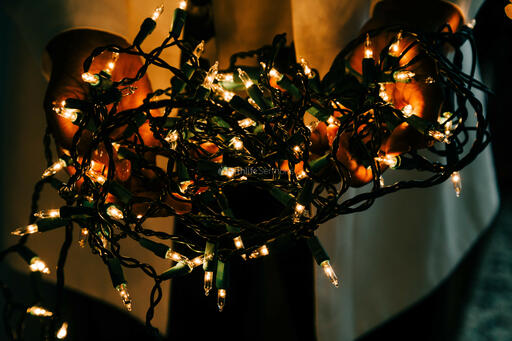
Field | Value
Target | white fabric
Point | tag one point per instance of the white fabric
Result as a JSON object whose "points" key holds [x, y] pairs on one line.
{"points": [[388, 257]]}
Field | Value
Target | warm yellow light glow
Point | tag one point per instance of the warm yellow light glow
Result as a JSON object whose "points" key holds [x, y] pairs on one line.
{"points": [[394, 49], [84, 234], [239, 244], [275, 74], [115, 212], [236, 143], [122, 289], [38, 265], [208, 282], [382, 93], [388, 160], [29, 229], [221, 299], [63, 331], [438, 136], [90, 78], [158, 12], [246, 123], [457, 183], [307, 70], [222, 93], [228, 172], [210, 75], [67, 113], [54, 168], [184, 185], [264, 250], [244, 77], [368, 49], [39, 311], [332, 120], [329, 272], [225, 77], [403, 76], [299, 208], [407, 110], [183, 4]]}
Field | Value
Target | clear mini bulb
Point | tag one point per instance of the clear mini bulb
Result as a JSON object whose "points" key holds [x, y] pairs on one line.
{"points": [[275, 74], [36, 310], [388, 160], [115, 212], [158, 12], [236, 143], [368, 48], [225, 77], [122, 289], [394, 49], [246, 123], [439, 136], [54, 168], [208, 282], [195, 262], [175, 256], [382, 92], [403, 76], [239, 244], [307, 70], [48, 214], [221, 299], [244, 77], [198, 51], [112, 64], [24, 230], [329, 272], [63, 331], [183, 5], [228, 172], [90, 78], [38, 265], [457, 183], [210, 75], [222, 93], [407, 111], [67, 113]]}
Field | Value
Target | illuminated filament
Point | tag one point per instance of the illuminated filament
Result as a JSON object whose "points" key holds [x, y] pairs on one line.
{"points": [[225, 77], [84, 234], [195, 262], [236, 143], [63, 331], [382, 93], [53, 169], [125, 295], [208, 282], [368, 49], [172, 138], [115, 212], [222, 93], [112, 64], [299, 209], [403, 76], [67, 113], [158, 12], [96, 176], [332, 120], [388, 160], [307, 70], [39, 311], [457, 183], [394, 49], [175, 256], [183, 5], [38, 265], [210, 75], [275, 74], [228, 172], [260, 252], [91, 78], [407, 111], [239, 244], [48, 214], [244, 77], [221, 299], [246, 123], [329, 272], [24, 230]]}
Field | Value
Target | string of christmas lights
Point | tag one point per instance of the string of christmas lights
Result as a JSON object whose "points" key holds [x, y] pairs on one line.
{"points": [[246, 125]]}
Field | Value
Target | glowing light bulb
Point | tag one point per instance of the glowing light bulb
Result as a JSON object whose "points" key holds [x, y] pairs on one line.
{"points": [[208, 282], [260, 252], [112, 64], [381, 181], [246, 123], [96, 176], [332, 120], [275, 74], [329, 272], [84, 234], [198, 51], [183, 5], [225, 77], [301, 175], [244, 77], [67, 113], [48, 214], [221, 299], [307, 70], [388, 160], [297, 149], [264, 250], [210, 75], [54, 168], [457, 183], [38, 265], [382, 93], [63, 331], [122, 289], [236, 143], [368, 49], [158, 12], [403, 76], [115, 212], [175, 256], [222, 93], [91, 78], [184, 185], [239, 244], [172, 138], [24, 230], [36, 310], [439, 136], [228, 172], [394, 49], [471, 24], [407, 110], [299, 208], [195, 262]]}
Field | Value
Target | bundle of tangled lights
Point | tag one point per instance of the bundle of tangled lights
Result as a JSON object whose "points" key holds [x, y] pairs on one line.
{"points": [[244, 128]]}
